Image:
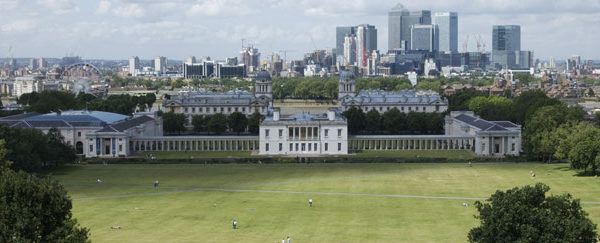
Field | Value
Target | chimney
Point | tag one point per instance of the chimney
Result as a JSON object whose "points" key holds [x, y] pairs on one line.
{"points": [[331, 114], [275, 114]]}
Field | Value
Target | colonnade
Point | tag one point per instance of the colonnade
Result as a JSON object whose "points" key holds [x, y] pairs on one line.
{"points": [[410, 143], [194, 143]]}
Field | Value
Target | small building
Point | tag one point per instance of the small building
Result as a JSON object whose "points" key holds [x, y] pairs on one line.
{"points": [[304, 134], [492, 138]]}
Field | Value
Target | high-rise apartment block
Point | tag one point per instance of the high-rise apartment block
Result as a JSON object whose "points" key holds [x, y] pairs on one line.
{"points": [[400, 22], [134, 65], [160, 65]]}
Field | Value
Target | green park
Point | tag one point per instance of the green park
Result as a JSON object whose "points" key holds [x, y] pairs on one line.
{"points": [[368, 202]]}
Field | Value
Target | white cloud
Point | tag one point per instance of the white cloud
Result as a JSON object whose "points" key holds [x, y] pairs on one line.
{"points": [[103, 7], [19, 26], [220, 8], [130, 10], [60, 7]]}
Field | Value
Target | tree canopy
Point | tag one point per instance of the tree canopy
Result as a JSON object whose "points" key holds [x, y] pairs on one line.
{"points": [[527, 215]]}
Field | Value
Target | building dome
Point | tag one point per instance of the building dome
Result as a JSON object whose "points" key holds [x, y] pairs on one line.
{"points": [[346, 75], [263, 75]]}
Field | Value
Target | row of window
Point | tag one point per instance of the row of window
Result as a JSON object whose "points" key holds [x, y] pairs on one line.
{"points": [[297, 147], [219, 109], [401, 108], [300, 132]]}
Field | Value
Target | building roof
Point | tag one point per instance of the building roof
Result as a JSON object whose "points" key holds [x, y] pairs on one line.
{"points": [[407, 97], [303, 118], [127, 124], [485, 125], [20, 116], [215, 98], [81, 116]]}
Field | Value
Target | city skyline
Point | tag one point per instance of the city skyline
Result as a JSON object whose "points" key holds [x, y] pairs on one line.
{"points": [[177, 29]]}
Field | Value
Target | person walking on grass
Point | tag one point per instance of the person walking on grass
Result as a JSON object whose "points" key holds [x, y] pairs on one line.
{"points": [[234, 224], [155, 183], [310, 202], [289, 240]]}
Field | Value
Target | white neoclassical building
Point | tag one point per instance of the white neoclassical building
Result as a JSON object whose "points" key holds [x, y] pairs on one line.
{"points": [[491, 138], [303, 134]]}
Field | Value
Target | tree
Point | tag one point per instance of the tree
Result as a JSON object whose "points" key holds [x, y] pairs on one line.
{"points": [[373, 121], [58, 152], [460, 101], [356, 120], [254, 122], [199, 123], [237, 122], [591, 92], [491, 107], [36, 210], [580, 144], [527, 103], [394, 121], [173, 122], [217, 123], [527, 215]]}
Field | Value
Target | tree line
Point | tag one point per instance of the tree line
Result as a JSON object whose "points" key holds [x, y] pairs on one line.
{"points": [[54, 100], [393, 122], [236, 122]]}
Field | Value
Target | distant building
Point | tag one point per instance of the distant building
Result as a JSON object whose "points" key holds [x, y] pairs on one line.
{"points": [[304, 134], [506, 48], [382, 101], [134, 65], [349, 53], [250, 57], [27, 84], [447, 34], [400, 22], [340, 36], [366, 42], [423, 38], [160, 65]]}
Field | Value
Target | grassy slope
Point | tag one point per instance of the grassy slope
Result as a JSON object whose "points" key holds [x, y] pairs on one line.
{"points": [[191, 216]]}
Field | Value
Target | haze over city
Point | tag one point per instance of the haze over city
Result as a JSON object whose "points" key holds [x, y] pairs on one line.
{"points": [[177, 29]]}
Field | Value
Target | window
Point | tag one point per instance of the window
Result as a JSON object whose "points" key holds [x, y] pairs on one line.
{"points": [[222, 109], [339, 132], [228, 109], [291, 147], [120, 148], [236, 109], [280, 146], [326, 146], [387, 108], [417, 108], [326, 132], [402, 108], [380, 108], [243, 109], [78, 134], [266, 133], [193, 109], [120, 139], [303, 147], [185, 110], [91, 148], [316, 148], [215, 109], [266, 146], [424, 108], [410, 108], [200, 109], [513, 147], [280, 132], [310, 147], [296, 146], [339, 146], [437, 107]]}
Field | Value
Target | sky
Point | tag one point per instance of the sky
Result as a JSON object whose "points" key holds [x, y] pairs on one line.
{"points": [[118, 29]]}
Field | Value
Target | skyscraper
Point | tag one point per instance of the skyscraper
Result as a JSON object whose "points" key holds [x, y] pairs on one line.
{"points": [[423, 37], [506, 38], [340, 34], [134, 65], [366, 42], [447, 35], [349, 55], [250, 57], [506, 46], [395, 40]]}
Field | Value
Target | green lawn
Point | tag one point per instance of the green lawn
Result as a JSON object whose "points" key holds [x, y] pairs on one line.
{"points": [[411, 154], [198, 154], [352, 202]]}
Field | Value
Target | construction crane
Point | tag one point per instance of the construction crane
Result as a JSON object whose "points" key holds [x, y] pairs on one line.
{"points": [[466, 44], [285, 54]]}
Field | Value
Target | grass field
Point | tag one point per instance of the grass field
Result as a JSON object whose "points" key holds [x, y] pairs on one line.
{"points": [[352, 202], [409, 154]]}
